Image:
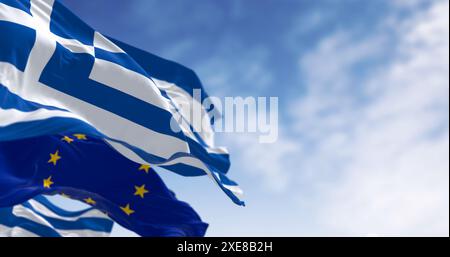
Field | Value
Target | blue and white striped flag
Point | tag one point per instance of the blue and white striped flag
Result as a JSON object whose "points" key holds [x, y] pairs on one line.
{"points": [[81, 81], [40, 217]]}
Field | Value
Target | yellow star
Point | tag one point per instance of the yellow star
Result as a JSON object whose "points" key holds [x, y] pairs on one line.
{"points": [[90, 201], [140, 191], [80, 136], [54, 157], [48, 182], [67, 139], [144, 167], [128, 211]]}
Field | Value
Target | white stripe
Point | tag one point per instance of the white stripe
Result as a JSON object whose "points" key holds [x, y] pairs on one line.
{"points": [[128, 153], [128, 82], [102, 42], [15, 232], [74, 45], [11, 116], [47, 212], [21, 211], [42, 11], [199, 164], [14, 15], [237, 191], [186, 104], [82, 233], [125, 151], [44, 46], [193, 162]]}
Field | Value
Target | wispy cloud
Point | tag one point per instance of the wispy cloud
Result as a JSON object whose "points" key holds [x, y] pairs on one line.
{"points": [[367, 151], [222, 72], [385, 135]]}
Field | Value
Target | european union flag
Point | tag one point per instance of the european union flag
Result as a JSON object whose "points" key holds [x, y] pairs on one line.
{"points": [[89, 170]]}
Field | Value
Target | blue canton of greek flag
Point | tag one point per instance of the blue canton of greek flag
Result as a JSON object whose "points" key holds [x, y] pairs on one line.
{"points": [[67, 78], [40, 217]]}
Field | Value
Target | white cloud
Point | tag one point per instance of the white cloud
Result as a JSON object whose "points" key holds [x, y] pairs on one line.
{"points": [[409, 3], [223, 73], [368, 151], [379, 146], [271, 163]]}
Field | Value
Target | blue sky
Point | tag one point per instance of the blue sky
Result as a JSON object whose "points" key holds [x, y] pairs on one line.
{"points": [[363, 89]]}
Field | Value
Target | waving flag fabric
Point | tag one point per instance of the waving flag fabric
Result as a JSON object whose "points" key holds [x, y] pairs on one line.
{"points": [[89, 170], [40, 217], [65, 78]]}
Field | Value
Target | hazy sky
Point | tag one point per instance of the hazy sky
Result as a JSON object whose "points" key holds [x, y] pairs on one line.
{"points": [[363, 89]]}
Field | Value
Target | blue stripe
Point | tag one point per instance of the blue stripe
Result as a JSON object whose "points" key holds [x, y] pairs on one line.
{"points": [[23, 5], [9, 100], [163, 69], [60, 212], [10, 220], [230, 194], [96, 224], [67, 25], [220, 162], [122, 59], [16, 44]]}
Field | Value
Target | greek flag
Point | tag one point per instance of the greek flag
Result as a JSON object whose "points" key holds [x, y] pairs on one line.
{"points": [[60, 76], [40, 217]]}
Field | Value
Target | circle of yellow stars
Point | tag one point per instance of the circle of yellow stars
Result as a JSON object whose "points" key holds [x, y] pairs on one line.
{"points": [[140, 191]]}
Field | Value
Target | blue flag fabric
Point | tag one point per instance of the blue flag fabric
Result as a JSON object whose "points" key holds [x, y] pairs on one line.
{"points": [[60, 76], [42, 218], [89, 170]]}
